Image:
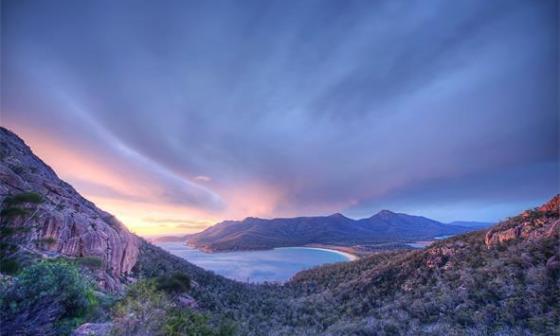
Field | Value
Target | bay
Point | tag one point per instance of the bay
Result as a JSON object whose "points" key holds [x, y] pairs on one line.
{"points": [[276, 265]]}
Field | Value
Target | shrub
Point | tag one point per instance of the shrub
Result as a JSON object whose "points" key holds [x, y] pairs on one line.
{"points": [[146, 310], [10, 204], [185, 322], [47, 297], [25, 197], [12, 212], [141, 311], [90, 261], [46, 241], [175, 283], [9, 266]]}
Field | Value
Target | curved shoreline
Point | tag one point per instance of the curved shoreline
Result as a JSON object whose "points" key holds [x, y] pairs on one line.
{"points": [[349, 256]]}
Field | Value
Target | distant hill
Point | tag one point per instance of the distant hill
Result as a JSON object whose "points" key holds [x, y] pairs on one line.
{"points": [[472, 224], [168, 239], [256, 233]]}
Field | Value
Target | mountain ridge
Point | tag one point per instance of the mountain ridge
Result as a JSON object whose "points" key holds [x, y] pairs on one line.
{"points": [[254, 233]]}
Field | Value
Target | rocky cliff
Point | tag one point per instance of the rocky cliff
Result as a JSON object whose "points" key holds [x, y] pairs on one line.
{"points": [[533, 224], [44, 216]]}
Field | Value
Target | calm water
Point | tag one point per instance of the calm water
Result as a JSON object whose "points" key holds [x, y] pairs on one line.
{"points": [[426, 243], [278, 265]]}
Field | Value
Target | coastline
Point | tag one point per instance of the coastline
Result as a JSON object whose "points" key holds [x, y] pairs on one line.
{"points": [[350, 256]]}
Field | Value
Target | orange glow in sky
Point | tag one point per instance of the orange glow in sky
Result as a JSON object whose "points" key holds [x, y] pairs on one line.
{"points": [[133, 199]]}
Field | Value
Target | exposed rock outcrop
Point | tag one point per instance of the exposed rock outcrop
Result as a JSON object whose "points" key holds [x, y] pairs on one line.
{"points": [[62, 223], [186, 301], [534, 224]]}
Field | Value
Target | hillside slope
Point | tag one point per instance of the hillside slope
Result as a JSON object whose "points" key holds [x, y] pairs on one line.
{"points": [[256, 233], [63, 261], [504, 281], [500, 281], [43, 216]]}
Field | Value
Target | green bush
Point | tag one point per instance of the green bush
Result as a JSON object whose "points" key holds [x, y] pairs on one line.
{"points": [[141, 310], [186, 322], [25, 197], [46, 241], [56, 289], [9, 266], [175, 283], [90, 261], [12, 212], [147, 310]]}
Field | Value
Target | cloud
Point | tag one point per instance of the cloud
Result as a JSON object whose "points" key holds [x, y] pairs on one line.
{"points": [[178, 223], [274, 109]]}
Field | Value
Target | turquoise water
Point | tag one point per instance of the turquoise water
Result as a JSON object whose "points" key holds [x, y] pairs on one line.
{"points": [[275, 265]]}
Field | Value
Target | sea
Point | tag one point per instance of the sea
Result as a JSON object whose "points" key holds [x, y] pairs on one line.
{"points": [[277, 265]]}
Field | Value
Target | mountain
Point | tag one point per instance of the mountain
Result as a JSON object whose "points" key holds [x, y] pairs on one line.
{"points": [[42, 216], [471, 224], [168, 239], [256, 233]]}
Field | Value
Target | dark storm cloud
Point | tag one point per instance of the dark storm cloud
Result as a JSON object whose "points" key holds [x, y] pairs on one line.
{"points": [[335, 104]]}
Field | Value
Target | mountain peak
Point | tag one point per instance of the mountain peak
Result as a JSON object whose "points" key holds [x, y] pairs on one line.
{"points": [[338, 215], [385, 212]]}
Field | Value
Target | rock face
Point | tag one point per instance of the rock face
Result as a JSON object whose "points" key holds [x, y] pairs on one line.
{"points": [[62, 223], [534, 224]]}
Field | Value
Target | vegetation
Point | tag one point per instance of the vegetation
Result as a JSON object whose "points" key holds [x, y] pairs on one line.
{"points": [[90, 261], [47, 298], [462, 288], [25, 197], [179, 322], [176, 283], [458, 286], [13, 207], [146, 310]]}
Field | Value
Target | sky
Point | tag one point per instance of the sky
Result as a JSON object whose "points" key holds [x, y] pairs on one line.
{"points": [[174, 115]]}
